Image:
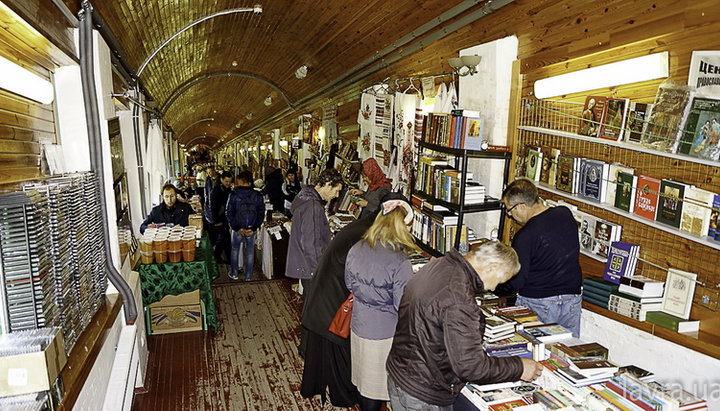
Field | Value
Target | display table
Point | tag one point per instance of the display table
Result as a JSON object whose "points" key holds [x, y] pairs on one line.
{"points": [[159, 280]]}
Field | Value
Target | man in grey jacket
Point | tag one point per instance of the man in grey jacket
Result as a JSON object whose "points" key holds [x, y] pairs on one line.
{"points": [[310, 232], [437, 346]]}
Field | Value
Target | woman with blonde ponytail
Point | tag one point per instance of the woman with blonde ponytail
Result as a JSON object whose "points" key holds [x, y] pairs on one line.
{"points": [[376, 271]]}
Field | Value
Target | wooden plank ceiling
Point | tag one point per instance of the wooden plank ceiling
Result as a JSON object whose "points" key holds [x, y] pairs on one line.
{"points": [[330, 37]]}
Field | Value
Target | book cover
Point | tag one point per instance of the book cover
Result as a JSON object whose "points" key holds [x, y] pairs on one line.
{"points": [[701, 131], [612, 183], [546, 164], [646, 197], [638, 115], [587, 232], [472, 137], [670, 202], [620, 261], [615, 118], [533, 164], [592, 116], [565, 178], [552, 173], [602, 238], [696, 211], [714, 229], [625, 191], [594, 178], [641, 286], [679, 292], [671, 105]]}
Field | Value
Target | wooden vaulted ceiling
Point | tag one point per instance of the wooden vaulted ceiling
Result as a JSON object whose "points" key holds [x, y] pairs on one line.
{"points": [[261, 53]]}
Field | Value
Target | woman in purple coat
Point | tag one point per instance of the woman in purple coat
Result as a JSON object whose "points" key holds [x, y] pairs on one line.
{"points": [[376, 271]]}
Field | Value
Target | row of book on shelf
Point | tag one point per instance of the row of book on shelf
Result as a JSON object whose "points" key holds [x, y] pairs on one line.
{"points": [[575, 374], [436, 177], [680, 121], [680, 205]]}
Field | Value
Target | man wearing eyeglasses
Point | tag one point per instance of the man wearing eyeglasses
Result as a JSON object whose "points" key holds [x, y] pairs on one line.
{"points": [[548, 247]]}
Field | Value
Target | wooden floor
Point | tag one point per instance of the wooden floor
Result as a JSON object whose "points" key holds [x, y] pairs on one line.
{"points": [[251, 363]]}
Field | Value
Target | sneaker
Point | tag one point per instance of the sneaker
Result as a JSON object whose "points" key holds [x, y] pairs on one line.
{"points": [[233, 277], [248, 278]]}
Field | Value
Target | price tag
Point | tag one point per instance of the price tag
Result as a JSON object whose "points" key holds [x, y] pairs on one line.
{"points": [[17, 377]]}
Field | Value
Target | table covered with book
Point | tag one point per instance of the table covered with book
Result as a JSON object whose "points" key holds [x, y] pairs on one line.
{"points": [[174, 278]]}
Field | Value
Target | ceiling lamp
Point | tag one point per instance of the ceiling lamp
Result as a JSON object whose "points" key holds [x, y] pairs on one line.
{"points": [[249, 116], [650, 67], [19, 80], [268, 101], [469, 63], [301, 72]]}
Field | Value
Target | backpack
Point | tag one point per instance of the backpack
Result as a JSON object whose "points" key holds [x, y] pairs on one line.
{"points": [[246, 209]]}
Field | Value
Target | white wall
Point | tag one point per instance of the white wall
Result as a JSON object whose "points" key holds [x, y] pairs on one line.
{"points": [[488, 91], [71, 123], [671, 363]]}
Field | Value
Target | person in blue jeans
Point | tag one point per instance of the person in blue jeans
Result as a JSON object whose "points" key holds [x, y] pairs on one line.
{"points": [[245, 213], [548, 247]]}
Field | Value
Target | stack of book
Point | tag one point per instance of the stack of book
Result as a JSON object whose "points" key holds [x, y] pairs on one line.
{"points": [[502, 396], [498, 328], [633, 306], [641, 286], [626, 391], [520, 314], [513, 346], [673, 322], [596, 291]]}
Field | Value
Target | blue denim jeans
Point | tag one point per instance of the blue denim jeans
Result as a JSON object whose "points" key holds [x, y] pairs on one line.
{"points": [[402, 401], [561, 309], [248, 242]]}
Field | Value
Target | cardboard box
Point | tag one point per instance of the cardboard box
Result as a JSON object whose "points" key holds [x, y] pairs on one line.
{"points": [[33, 372], [175, 313]]}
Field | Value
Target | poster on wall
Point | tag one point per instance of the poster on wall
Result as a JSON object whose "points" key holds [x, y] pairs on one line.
{"points": [[705, 72]]}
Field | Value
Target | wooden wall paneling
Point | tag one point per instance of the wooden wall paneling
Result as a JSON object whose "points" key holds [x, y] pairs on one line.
{"points": [[56, 38]]}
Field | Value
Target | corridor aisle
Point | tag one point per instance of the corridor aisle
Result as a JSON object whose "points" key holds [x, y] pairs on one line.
{"points": [[251, 363]]}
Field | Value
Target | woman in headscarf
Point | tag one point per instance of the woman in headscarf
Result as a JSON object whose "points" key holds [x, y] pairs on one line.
{"points": [[378, 186]]}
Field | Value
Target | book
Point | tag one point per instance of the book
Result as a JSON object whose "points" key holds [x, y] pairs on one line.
{"points": [[639, 373], [594, 179], [696, 211], [590, 367], [714, 229], [472, 135], [576, 379], [638, 115], [593, 116], [641, 286], [612, 180], [587, 232], [615, 119], [625, 191], [605, 233], [548, 333], [533, 164], [592, 349], [565, 173], [679, 292], [670, 202], [701, 131], [646, 197], [552, 172], [672, 322], [672, 103], [621, 262]]}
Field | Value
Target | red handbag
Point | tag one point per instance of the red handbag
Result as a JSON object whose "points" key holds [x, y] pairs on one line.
{"points": [[340, 324]]}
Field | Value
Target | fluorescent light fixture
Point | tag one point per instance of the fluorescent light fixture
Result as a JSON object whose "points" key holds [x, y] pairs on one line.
{"points": [[19, 80], [650, 67]]}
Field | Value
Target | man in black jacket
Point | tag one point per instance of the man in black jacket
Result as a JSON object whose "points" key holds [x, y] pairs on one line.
{"points": [[437, 346], [170, 211], [218, 202]]}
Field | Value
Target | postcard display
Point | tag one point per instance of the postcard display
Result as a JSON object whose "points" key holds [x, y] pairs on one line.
{"points": [[53, 270]]}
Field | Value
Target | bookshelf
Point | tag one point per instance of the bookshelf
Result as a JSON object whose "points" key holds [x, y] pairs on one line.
{"points": [[461, 158]]}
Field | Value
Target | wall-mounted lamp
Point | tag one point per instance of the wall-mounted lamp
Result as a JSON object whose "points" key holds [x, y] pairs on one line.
{"points": [[19, 80], [650, 67], [301, 72], [469, 63]]}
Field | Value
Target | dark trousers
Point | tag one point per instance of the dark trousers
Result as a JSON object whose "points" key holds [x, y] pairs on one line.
{"points": [[222, 242], [328, 365]]}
